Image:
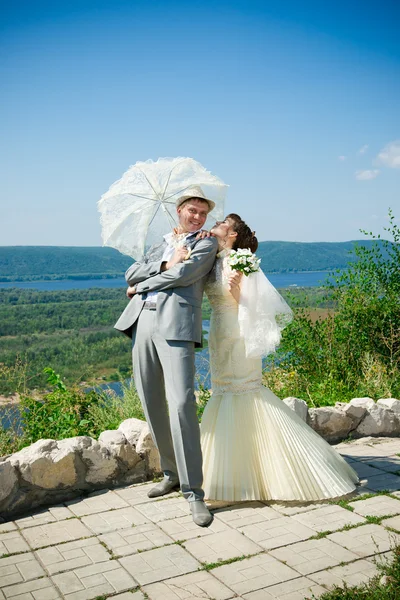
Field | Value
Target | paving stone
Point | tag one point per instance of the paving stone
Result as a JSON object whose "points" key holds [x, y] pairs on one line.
{"points": [[246, 513], [39, 589], [278, 532], [135, 539], [137, 494], [364, 470], [379, 506], [254, 573], [358, 451], [328, 518], [55, 533], [112, 520], [355, 573], [183, 528], [10, 526], [159, 564], [221, 546], [138, 595], [93, 581], [19, 568], [97, 502], [42, 517], [393, 522], [390, 464], [192, 586], [164, 509], [11, 542], [386, 481], [392, 446], [295, 509], [366, 540], [72, 555], [313, 555], [295, 589]]}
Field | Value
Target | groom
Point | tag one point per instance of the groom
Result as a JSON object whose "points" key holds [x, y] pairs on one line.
{"points": [[165, 322]]}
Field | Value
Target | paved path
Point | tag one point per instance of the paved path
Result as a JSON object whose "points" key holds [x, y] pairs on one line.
{"points": [[123, 545]]}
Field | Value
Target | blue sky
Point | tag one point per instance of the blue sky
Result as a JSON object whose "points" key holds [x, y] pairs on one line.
{"points": [[294, 104]]}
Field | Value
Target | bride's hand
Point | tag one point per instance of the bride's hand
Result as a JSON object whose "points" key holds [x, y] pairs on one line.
{"points": [[234, 284], [204, 234], [181, 254]]}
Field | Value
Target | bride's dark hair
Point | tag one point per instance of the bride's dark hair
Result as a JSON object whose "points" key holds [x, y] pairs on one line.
{"points": [[245, 237]]}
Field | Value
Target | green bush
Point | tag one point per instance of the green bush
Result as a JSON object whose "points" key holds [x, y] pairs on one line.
{"points": [[68, 412], [355, 349]]}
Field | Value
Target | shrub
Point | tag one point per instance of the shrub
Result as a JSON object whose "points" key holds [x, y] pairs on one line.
{"points": [[355, 350]]}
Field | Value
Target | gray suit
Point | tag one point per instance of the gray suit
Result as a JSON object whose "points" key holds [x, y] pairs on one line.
{"points": [[163, 356]]}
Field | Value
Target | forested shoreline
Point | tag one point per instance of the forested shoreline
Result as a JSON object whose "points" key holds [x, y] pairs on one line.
{"points": [[49, 263]]}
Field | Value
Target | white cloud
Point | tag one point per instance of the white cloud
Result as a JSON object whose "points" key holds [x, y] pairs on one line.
{"points": [[367, 174], [363, 149], [390, 155], [342, 157]]}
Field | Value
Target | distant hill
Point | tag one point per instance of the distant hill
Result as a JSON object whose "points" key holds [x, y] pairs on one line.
{"points": [[27, 263], [286, 257]]}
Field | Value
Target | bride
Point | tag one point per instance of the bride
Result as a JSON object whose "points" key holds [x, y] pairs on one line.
{"points": [[254, 446]]}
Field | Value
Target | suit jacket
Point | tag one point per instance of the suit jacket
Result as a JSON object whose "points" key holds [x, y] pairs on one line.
{"points": [[180, 291]]}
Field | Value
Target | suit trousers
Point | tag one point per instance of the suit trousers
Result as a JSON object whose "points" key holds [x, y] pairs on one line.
{"points": [[164, 376]]}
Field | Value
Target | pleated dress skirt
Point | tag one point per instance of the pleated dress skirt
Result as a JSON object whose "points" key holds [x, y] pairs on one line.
{"points": [[254, 446]]}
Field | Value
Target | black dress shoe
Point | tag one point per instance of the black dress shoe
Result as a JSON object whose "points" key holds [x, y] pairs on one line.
{"points": [[164, 487]]}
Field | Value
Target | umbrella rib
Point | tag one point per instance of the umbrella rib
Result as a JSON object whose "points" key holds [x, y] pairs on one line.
{"points": [[152, 218], [149, 182], [172, 221], [169, 177]]}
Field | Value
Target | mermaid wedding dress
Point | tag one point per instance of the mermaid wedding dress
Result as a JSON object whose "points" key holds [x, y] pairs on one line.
{"points": [[254, 446]]}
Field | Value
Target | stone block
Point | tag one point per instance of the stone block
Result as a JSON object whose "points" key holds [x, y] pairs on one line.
{"points": [[47, 464], [146, 448], [379, 420], [119, 447], [8, 480], [132, 428], [101, 465], [330, 422], [298, 406]]}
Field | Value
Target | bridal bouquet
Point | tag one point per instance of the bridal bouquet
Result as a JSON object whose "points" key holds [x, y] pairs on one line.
{"points": [[244, 260]]}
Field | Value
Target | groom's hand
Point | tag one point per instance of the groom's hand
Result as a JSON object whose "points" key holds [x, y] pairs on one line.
{"points": [[131, 291], [182, 253]]}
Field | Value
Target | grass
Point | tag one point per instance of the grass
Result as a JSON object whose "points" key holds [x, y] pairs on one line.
{"points": [[384, 586], [211, 566]]}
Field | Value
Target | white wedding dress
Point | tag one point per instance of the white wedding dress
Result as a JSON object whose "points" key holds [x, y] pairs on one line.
{"points": [[254, 446]]}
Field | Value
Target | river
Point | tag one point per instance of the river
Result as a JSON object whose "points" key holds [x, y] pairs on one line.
{"points": [[279, 280]]}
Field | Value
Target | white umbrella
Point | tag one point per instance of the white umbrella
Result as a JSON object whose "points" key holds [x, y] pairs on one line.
{"points": [[140, 208]]}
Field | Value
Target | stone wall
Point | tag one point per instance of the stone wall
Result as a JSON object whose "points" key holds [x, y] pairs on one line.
{"points": [[360, 417], [52, 471]]}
